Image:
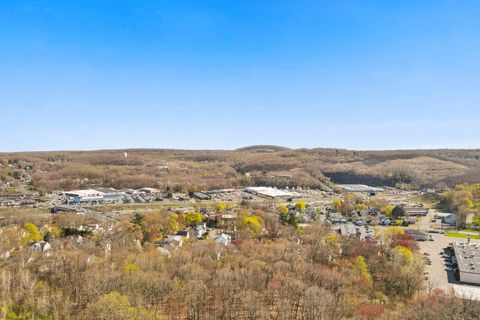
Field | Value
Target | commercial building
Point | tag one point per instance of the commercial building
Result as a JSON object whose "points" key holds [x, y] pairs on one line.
{"points": [[360, 188], [92, 196], [468, 260], [84, 196], [202, 196], [416, 211], [271, 193]]}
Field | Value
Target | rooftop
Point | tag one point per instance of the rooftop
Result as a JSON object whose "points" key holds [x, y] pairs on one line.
{"points": [[468, 257], [269, 192], [84, 193], [359, 188], [348, 230]]}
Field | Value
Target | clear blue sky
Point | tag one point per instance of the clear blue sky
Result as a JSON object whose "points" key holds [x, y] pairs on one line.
{"points": [[223, 74]]}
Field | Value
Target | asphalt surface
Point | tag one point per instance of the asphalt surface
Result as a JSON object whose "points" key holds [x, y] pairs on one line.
{"points": [[437, 274]]}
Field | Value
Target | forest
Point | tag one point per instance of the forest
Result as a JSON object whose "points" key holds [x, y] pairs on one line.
{"points": [[181, 170], [272, 270]]}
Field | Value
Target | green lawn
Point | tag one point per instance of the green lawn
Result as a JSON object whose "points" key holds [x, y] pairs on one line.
{"points": [[461, 235]]}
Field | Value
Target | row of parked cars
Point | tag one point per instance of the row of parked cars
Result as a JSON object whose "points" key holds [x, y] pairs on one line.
{"points": [[451, 262]]}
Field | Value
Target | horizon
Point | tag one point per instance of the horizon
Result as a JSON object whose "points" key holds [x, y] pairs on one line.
{"points": [[132, 149], [357, 76]]}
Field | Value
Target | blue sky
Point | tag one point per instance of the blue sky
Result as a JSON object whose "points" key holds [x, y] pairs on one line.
{"points": [[225, 74]]}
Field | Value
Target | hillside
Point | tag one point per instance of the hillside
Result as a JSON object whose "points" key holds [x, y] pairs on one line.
{"points": [[255, 165]]}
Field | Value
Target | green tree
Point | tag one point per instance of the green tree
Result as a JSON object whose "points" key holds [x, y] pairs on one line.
{"points": [[193, 218], [293, 219], [31, 233], [48, 237], [139, 220], [398, 211], [168, 193]]}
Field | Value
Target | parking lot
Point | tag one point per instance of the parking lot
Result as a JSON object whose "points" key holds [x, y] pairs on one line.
{"points": [[437, 274]]}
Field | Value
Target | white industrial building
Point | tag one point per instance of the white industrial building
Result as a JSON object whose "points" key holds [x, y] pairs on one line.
{"points": [[272, 193], [468, 260], [360, 188], [92, 196]]}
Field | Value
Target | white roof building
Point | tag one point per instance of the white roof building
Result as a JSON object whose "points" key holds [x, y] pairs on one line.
{"points": [[270, 192], [224, 239], [41, 246], [359, 188]]}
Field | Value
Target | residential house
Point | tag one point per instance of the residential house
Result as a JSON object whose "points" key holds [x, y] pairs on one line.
{"points": [[174, 241], [183, 233], [200, 230], [41, 246], [224, 239]]}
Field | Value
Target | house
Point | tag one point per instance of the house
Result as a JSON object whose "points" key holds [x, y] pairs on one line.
{"points": [[409, 220], [224, 239], [386, 222], [90, 227], [41, 246], [416, 211], [174, 241], [450, 220], [202, 196], [200, 230], [183, 233], [336, 218], [348, 230]]}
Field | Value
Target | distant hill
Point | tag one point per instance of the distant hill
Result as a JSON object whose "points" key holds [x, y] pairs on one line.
{"points": [[263, 148], [254, 165]]}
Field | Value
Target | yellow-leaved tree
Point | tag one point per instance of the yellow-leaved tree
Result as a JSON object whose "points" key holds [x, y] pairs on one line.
{"points": [[337, 204], [220, 206], [31, 233], [361, 268], [253, 223], [300, 205], [387, 210], [283, 209], [193, 218], [404, 252]]}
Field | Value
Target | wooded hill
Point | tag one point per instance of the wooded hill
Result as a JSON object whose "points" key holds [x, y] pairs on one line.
{"points": [[255, 165]]}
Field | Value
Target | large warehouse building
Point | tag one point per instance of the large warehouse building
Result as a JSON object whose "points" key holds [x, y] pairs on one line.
{"points": [[468, 259], [271, 193], [359, 188]]}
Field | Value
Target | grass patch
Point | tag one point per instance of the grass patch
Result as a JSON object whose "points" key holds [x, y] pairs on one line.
{"points": [[157, 205], [461, 235], [17, 211]]}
